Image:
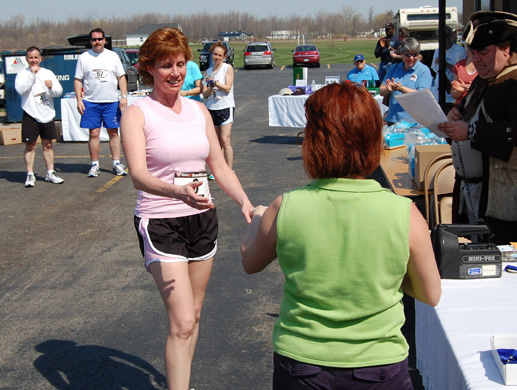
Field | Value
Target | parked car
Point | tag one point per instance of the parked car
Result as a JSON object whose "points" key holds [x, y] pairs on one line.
{"points": [[204, 57], [133, 56], [132, 77], [259, 54], [306, 55]]}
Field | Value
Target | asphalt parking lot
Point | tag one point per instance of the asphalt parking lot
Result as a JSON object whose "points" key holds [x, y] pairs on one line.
{"points": [[77, 308]]}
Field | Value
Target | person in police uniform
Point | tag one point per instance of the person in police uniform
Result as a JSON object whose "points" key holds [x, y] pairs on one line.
{"points": [[483, 128]]}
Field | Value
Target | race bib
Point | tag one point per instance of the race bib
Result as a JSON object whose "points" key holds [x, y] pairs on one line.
{"points": [[100, 74], [183, 178]]}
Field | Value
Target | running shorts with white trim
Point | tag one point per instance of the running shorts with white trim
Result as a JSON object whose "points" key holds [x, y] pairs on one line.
{"points": [[190, 238], [222, 117]]}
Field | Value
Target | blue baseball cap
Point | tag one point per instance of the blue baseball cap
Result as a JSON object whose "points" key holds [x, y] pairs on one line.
{"points": [[358, 57]]}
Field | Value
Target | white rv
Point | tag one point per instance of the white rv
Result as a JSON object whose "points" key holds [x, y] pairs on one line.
{"points": [[422, 24]]}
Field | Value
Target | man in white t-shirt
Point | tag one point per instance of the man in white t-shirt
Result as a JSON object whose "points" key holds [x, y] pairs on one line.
{"points": [[38, 87], [98, 72], [453, 54]]}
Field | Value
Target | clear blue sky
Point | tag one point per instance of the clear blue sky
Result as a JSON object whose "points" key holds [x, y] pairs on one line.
{"points": [[59, 9]]}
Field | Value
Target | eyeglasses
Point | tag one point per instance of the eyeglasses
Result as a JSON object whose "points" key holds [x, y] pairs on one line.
{"points": [[360, 61], [97, 39], [409, 55]]}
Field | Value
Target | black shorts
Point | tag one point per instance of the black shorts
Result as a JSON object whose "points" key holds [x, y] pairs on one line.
{"points": [[31, 129], [191, 238], [222, 117]]}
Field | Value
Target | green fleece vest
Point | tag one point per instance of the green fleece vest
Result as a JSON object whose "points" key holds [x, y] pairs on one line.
{"points": [[343, 247]]}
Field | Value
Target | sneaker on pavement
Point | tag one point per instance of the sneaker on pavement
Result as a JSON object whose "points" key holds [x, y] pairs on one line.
{"points": [[94, 171], [120, 169], [31, 181], [211, 177], [53, 178]]}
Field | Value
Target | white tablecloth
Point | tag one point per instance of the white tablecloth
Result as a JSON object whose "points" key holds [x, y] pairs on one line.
{"points": [[453, 339], [289, 111], [70, 119]]}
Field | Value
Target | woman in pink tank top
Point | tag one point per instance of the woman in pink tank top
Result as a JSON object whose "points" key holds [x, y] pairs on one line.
{"points": [[167, 140]]}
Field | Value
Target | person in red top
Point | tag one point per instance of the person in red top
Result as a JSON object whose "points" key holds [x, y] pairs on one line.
{"points": [[464, 74]]}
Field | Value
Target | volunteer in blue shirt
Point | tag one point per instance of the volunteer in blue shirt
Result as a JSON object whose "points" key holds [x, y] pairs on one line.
{"points": [[408, 76], [362, 71], [192, 86]]}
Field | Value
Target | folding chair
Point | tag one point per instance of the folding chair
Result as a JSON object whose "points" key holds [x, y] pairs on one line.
{"points": [[429, 174]]}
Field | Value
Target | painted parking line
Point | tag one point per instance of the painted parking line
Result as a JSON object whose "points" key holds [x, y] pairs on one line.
{"points": [[282, 68], [328, 66], [108, 184]]}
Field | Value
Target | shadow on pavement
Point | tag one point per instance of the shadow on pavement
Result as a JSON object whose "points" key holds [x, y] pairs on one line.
{"points": [[276, 139], [67, 365]]}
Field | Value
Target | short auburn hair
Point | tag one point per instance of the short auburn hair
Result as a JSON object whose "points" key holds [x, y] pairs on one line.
{"points": [[343, 136], [163, 42]]}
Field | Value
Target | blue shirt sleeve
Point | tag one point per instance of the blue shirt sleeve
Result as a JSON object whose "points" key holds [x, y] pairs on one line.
{"points": [[196, 73], [424, 79], [374, 74]]}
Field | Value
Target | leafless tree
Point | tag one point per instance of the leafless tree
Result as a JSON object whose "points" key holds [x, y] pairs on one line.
{"points": [[17, 34]]}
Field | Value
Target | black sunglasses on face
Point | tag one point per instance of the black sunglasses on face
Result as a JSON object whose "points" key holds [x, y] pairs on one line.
{"points": [[97, 39], [409, 55]]}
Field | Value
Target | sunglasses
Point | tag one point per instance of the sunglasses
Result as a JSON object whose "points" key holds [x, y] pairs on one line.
{"points": [[97, 39], [409, 55]]}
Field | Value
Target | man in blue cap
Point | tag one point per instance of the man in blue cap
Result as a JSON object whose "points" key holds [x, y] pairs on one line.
{"points": [[362, 71]]}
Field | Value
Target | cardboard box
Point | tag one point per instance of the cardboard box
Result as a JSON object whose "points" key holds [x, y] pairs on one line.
{"points": [[10, 136], [508, 371], [423, 156]]}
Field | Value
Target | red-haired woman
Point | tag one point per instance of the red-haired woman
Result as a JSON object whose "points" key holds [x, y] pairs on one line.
{"points": [[167, 140], [348, 249]]}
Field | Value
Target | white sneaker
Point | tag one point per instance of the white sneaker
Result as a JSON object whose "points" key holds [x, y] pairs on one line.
{"points": [[119, 169], [53, 178], [94, 171], [31, 181]]}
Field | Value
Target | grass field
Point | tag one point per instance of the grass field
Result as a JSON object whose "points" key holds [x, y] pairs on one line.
{"points": [[331, 51]]}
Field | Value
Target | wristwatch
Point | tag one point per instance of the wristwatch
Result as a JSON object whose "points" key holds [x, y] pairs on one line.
{"points": [[123, 96]]}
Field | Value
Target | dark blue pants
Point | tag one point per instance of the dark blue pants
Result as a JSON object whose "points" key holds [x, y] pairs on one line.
{"points": [[383, 69], [290, 374]]}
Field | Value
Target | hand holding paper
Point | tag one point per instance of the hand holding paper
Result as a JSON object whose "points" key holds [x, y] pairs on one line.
{"points": [[423, 107]]}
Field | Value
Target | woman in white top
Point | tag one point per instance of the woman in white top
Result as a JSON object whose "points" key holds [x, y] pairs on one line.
{"points": [[219, 95]]}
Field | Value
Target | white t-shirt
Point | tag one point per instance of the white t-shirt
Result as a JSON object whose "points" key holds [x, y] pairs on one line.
{"points": [[99, 73], [37, 99], [453, 55]]}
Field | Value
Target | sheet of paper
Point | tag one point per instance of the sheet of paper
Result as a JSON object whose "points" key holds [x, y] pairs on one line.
{"points": [[423, 107]]}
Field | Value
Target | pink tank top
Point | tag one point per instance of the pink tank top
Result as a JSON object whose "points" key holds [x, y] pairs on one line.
{"points": [[173, 143]]}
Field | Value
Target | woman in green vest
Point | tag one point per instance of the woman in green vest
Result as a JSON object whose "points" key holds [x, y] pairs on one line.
{"points": [[349, 250]]}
